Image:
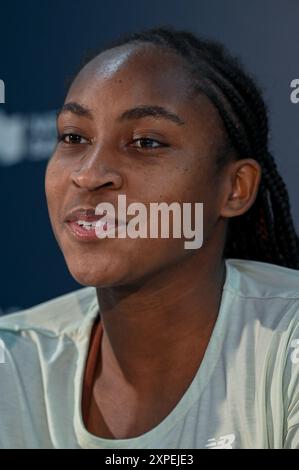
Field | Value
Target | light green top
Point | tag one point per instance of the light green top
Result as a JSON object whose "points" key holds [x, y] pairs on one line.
{"points": [[245, 393]]}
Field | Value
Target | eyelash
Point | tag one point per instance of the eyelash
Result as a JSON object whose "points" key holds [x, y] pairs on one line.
{"points": [[61, 137], [151, 140]]}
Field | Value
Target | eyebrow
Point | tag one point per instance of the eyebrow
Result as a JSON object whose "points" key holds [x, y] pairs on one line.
{"points": [[138, 112], [75, 108], [154, 111]]}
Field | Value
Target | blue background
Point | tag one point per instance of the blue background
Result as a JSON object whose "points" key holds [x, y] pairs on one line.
{"points": [[42, 44]]}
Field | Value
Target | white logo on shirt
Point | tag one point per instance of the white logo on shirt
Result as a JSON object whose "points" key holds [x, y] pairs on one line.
{"points": [[224, 442], [295, 353]]}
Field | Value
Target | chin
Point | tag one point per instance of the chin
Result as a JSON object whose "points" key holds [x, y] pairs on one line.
{"points": [[99, 274]]}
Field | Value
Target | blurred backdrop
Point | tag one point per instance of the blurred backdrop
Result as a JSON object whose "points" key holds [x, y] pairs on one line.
{"points": [[41, 45]]}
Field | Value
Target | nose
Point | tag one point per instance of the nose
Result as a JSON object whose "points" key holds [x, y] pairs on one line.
{"points": [[97, 169]]}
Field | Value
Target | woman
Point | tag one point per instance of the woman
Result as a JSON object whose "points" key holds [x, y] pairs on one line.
{"points": [[166, 347]]}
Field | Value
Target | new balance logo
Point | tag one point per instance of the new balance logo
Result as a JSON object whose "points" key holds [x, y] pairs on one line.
{"points": [[224, 442]]}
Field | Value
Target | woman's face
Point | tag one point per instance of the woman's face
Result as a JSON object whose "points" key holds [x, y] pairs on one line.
{"points": [[104, 158]]}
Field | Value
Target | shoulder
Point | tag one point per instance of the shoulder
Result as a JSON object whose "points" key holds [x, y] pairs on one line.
{"points": [[262, 280], [264, 303], [61, 315], [265, 293], [39, 353], [263, 310]]}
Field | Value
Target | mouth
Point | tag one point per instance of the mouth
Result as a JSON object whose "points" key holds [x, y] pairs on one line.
{"points": [[85, 225]]}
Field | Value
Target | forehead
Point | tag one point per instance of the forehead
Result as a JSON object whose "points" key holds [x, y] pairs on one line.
{"points": [[128, 76], [134, 72]]}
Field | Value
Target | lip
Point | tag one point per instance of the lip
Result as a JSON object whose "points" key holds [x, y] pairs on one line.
{"points": [[88, 215]]}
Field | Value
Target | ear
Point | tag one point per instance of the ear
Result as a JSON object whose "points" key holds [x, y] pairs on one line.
{"points": [[243, 179]]}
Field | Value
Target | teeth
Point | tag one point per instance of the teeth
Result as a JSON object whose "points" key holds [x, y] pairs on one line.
{"points": [[87, 225]]}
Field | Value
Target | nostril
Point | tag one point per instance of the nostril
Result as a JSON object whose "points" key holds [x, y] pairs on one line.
{"points": [[93, 179]]}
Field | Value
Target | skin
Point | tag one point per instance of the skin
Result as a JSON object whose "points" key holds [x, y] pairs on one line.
{"points": [[159, 302]]}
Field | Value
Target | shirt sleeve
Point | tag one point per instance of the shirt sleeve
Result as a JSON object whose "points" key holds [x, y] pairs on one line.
{"points": [[291, 391], [292, 438]]}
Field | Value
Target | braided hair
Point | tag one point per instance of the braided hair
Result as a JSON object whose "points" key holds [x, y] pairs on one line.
{"points": [[266, 231]]}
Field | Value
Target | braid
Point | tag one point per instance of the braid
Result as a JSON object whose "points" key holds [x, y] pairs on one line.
{"points": [[266, 231]]}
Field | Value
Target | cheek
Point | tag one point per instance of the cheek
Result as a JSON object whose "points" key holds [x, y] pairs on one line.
{"points": [[187, 185], [54, 183], [198, 185], [55, 189], [183, 184]]}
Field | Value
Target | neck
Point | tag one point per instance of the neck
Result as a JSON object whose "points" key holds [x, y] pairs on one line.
{"points": [[161, 327]]}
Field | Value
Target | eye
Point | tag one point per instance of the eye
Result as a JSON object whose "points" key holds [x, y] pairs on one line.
{"points": [[72, 139], [148, 143]]}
